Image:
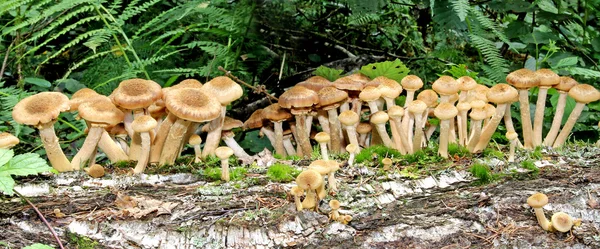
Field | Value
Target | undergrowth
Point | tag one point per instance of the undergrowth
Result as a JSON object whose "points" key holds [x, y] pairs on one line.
{"points": [[280, 172]]}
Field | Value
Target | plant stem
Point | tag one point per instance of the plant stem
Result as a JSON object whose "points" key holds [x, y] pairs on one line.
{"points": [[42, 218]]}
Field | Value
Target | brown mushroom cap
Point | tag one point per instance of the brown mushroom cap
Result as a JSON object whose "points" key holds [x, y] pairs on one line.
{"points": [[565, 84], [223, 89], [584, 93], [144, 123], [537, 200], [188, 83], [298, 97], [331, 96], [502, 93], [136, 93], [40, 108], [223, 152], [511, 135], [276, 113], [322, 137], [82, 95], [352, 148], [445, 111], [309, 180], [231, 123], [417, 106], [297, 191], [369, 93], [379, 117], [466, 83], [348, 117], [428, 96], [411, 83], [256, 120], [463, 106], [193, 105], [320, 166], [363, 128], [349, 84], [477, 104], [101, 112], [479, 93], [8, 140], [445, 85], [562, 222], [95, 171], [315, 83], [489, 109], [195, 139], [334, 204], [395, 112], [547, 77], [523, 79]]}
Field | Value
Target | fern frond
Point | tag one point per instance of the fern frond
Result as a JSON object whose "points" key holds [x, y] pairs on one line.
{"points": [[498, 66], [98, 39], [153, 60], [133, 9], [115, 5], [364, 18], [487, 23], [73, 42], [47, 13], [157, 19], [87, 59], [461, 7], [9, 5], [188, 72], [58, 34]]}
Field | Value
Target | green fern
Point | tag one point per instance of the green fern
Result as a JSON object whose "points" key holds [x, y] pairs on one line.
{"points": [[498, 67], [461, 7], [361, 19]]}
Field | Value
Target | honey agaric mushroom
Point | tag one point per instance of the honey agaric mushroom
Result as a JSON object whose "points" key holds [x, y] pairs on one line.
{"points": [[400, 138], [389, 90], [315, 83], [224, 153], [300, 100], [363, 129], [227, 135], [95, 171], [501, 94], [537, 201], [561, 222], [225, 91], [583, 94], [345, 219], [297, 192], [323, 168], [563, 87], [277, 115], [387, 163], [349, 119], [465, 84], [335, 206], [190, 105], [445, 112], [490, 110], [512, 138], [379, 119], [330, 98], [353, 88], [323, 138], [352, 149], [463, 108], [445, 86], [100, 113], [331, 181], [417, 108], [477, 115], [508, 123], [41, 111], [195, 142], [370, 95], [143, 125], [523, 80], [310, 180], [120, 135], [547, 80], [411, 83], [8, 140]]}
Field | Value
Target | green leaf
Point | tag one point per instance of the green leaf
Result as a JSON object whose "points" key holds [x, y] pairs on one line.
{"points": [[72, 85], [38, 82], [7, 184], [5, 156], [395, 70], [566, 62], [548, 6], [588, 73], [25, 164], [330, 74], [253, 143], [38, 246], [461, 7]]}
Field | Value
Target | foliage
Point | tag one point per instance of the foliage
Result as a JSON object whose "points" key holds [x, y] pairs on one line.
{"points": [[82, 242], [482, 173], [38, 246], [19, 165], [376, 153], [424, 156], [282, 172], [253, 143], [214, 173], [456, 150], [395, 70], [330, 74], [528, 164]]}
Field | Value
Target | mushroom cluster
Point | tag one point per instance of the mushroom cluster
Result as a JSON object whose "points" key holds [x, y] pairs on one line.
{"points": [[560, 221]]}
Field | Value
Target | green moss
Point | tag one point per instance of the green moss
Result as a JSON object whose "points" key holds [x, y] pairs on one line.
{"points": [[81, 242], [483, 173], [378, 152], [423, 157], [125, 164], [489, 152], [460, 151], [214, 173], [282, 172], [536, 153], [278, 156], [293, 157], [527, 164]]}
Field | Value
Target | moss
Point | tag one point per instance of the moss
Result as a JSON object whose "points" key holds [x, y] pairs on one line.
{"points": [[527, 164], [125, 164], [423, 157], [536, 153], [489, 152], [214, 173], [483, 173], [293, 157], [378, 152], [282, 172], [460, 151], [81, 242]]}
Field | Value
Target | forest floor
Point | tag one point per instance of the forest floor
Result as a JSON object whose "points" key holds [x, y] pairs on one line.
{"points": [[440, 206]]}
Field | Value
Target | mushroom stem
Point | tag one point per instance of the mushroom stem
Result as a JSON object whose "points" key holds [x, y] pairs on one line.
{"points": [[526, 118], [298, 203], [509, 123], [566, 130], [297, 139], [214, 135], [324, 153], [444, 136], [538, 120], [336, 128], [324, 122], [332, 183], [122, 145], [310, 201], [461, 120], [225, 169], [127, 122], [145, 153], [351, 131], [351, 159], [238, 151], [542, 220], [419, 133], [403, 139], [113, 151], [489, 129], [558, 117], [410, 96], [279, 149], [475, 134], [303, 136], [135, 149], [308, 122], [396, 138], [289, 147], [511, 155], [171, 147], [387, 141], [197, 153], [89, 145], [161, 137]]}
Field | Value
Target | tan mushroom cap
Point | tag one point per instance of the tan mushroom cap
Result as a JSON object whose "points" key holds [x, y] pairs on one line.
{"points": [[477, 104], [463, 106], [369, 93], [352, 148], [193, 105], [411, 83], [359, 77], [379, 117], [386, 161], [489, 109], [256, 120], [223, 89], [584, 93], [189, 83], [8, 140], [40, 108], [502, 93], [231, 123], [101, 112], [195, 139], [348, 117], [511, 135], [562, 222], [523, 79], [417, 106], [157, 110], [136, 93], [388, 88], [395, 112], [322, 137], [80, 96], [331, 96], [334, 204], [364, 128], [276, 113], [95, 171], [445, 85], [430, 97], [445, 111], [478, 114], [547, 77], [144, 123], [565, 84], [298, 97], [297, 191], [349, 84], [479, 93], [466, 83], [537, 200], [223, 152], [315, 83], [320, 166], [309, 180]]}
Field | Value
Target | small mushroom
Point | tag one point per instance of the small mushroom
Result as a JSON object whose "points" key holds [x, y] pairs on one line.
{"points": [[143, 125], [387, 163], [512, 137], [523, 80], [323, 138], [461, 119], [95, 171], [547, 80], [345, 219], [583, 94], [224, 153], [417, 108], [379, 119], [310, 180], [501, 94], [323, 168], [563, 87], [8, 140], [537, 201], [411, 83], [297, 192], [477, 115], [465, 84], [335, 206], [352, 149], [561, 222], [277, 115], [400, 138], [445, 86], [364, 129], [370, 95], [445, 112], [300, 100], [349, 119], [195, 142]]}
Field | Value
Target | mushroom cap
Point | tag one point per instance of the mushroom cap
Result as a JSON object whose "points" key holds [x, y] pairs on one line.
{"points": [[445, 111], [584, 93], [463, 106], [466, 83], [298, 97], [276, 113], [502, 93], [231, 123], [547, 77], [334, 204], [144, 123], [347, 218], [331, 96], [224, 89], [309, 179], [479, 93], [562, 222], [349, 83], [322, 137], [388, 88], [417, 106], [369, 93], [297, 191], [195, 139], [348, 118], [40, 108], [386, 161], [80, 96], [359, 77], [352, 148], [453, 98], [511, 135], [430, 97], [379, 117], [188, 83], [8, 140], [395, 112], [320, 166], [537, 200], [333, 165], [477, 104], [223, 152], [256, 120], [445, 85], [489, 110], [136, 93], [478, 114], [411, 83], [101, 111], [315, 83], [157, 110], [95, 171], [523, 79], [363, 128], [118, 129], [565, 84], [193, 105]]}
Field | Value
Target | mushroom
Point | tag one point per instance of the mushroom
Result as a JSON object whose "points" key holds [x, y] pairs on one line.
{"points": [[310, 180], [352, 149], [537, 201], [323, 138], [380, 118], [389, 90], [561, 222], [8, 140], [477, 115], [120, 135], [277, 115], [370, 95], [490, 110], [563, 87], [363, 129], [411, 83], [335, 206], [501, 94], [224, 153], [95, 171], [299, 100], [523, 80], [400, 139], [417, 108], [143, 125], [331, 181], [387, 163], [445, 112], [315, 83], [465, 84], [345, 219], [330, 99], [445, 86], [508, 123], [583, 94], [547, 80], [461, 119], [41, 111], [297, 192], [287, 142], [225, 91], [349, 119], [195, 142], [512, 137], [353, 84], [227, 135]]}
